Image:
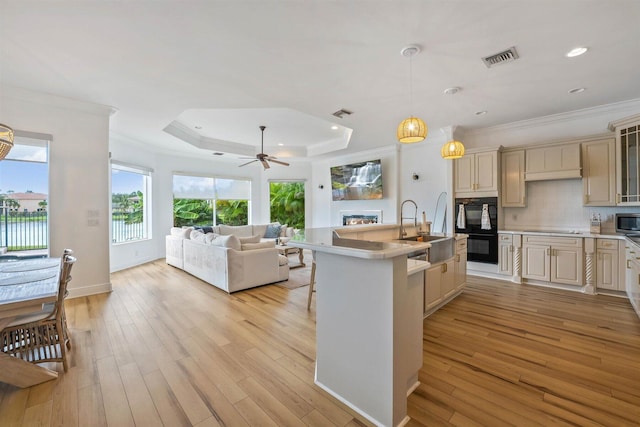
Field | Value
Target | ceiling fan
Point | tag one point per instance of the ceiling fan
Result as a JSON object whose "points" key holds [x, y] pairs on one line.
{"points": [[262, 157]]}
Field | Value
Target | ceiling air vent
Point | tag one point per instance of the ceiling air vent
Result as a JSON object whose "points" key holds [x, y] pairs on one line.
{"points": [[217, 153], [341, 112], [508, 55]]}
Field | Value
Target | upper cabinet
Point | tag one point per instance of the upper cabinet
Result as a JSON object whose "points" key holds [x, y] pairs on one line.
{"points": [[512, 190], [599, 177], [553, 162], [627, 162], [476, 174]]}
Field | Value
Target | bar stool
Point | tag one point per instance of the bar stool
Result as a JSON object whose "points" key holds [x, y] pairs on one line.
{"points": [[312, 280]]}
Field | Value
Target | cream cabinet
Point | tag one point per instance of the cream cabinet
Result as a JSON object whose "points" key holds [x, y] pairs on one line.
{"points": [[505, 254], [627, 161], [553, 162], [553, 259], [439, 285], [632, 282], [608, 266], [512, 190], [476, 174], [460, 264], [599, 172]]}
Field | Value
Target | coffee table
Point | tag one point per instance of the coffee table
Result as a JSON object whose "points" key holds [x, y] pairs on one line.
{"points": [[286, 250]]}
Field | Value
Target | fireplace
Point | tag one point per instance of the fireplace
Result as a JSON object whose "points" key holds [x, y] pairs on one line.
{"points": [[361, 217]]}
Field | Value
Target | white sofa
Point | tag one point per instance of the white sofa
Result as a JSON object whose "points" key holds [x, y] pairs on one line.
{"points": [[227, 261]]}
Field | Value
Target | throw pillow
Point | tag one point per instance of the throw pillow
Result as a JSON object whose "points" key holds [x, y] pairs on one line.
{"points": [[181, 232], [209, 237], [283, 230], [198, 236], [273, 231], [229, 241], [252, 239], [261, 245]]}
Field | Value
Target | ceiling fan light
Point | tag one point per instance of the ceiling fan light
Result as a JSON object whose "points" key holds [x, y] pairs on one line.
{"points": [[6, 140], [452, 150], [412, 130]]}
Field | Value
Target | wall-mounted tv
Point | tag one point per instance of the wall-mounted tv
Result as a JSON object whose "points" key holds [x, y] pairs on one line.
{"points": [[357, 181]]}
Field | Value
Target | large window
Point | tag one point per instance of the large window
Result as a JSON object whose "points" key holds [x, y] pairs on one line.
{"points": [[24, 188], [287, 202], [200, 200], [130, 202]]}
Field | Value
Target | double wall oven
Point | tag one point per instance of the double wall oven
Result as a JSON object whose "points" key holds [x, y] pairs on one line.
{"points": [[482, 245]]}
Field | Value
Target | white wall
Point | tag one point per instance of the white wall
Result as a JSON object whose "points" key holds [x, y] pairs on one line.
{"points": [[326, 212], [78, 178]]}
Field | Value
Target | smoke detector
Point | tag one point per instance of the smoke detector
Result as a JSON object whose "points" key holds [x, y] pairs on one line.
{"points": [[503, 57]]}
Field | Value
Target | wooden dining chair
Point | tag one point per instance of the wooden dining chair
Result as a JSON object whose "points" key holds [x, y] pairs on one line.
{"points": [[42, 336]]}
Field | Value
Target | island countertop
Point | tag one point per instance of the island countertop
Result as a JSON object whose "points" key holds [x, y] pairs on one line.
{"points": [[325, 240]]}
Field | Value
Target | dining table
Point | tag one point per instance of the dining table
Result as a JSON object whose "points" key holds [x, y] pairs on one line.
{"points": [[25, 287]]}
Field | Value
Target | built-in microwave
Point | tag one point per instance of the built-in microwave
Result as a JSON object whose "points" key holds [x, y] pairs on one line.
{"points": [[628, 223]]}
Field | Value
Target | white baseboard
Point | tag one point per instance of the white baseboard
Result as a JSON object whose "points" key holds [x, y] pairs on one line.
{"points": [[90, 290]]}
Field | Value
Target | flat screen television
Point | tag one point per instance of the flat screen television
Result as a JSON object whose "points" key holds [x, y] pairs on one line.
{"points": [[357, 181]]}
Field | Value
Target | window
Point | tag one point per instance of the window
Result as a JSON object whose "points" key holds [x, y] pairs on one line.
{"points": [[287, 202], [24, 187], [130, 202], [200, 200]]}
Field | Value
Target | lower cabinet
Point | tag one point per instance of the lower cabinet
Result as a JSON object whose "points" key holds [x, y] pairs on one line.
{"points": [[505, 254], [553, 259], [460, 264], [439, 285], [608, 265], [632, 275]]}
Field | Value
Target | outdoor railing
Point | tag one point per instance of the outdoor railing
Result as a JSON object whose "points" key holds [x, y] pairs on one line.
{"points": [[22, 231]]}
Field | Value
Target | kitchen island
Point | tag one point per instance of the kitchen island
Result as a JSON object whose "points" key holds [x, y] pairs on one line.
{"points": [[369, 312]]}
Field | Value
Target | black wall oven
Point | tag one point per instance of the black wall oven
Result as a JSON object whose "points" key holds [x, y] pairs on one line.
{"points": [[482, 245]]}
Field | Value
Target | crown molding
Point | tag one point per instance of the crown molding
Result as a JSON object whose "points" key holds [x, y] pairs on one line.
{"points": [[622, 107], [42, 98]]}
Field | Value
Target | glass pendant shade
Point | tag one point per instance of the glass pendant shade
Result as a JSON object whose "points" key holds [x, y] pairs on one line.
{"points": [[452, 150], [6, 140], [412, 130]]}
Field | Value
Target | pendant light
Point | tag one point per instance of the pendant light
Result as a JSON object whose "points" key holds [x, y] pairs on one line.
{"points": [[6, 140], [452, 149], [412, 129]]}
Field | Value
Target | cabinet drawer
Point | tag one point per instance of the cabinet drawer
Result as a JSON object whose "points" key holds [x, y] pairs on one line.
{"points": [[505, 238], [574, 242], [606, 244], [461, 245]]}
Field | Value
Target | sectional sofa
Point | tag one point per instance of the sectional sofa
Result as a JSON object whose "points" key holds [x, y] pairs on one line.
{"points": [[231, 258]]}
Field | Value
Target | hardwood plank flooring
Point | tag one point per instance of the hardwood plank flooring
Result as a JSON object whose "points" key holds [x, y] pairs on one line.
{"points": [[165, 348]]}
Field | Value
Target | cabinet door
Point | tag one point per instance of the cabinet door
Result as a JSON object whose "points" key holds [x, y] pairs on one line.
{"points": [[607, 269], [536, 262], [598, 173], [513, 189], [432, 287], [448, 282], [566, 265], [486, 173], [627, 162], [505, 259], [465, 170], [461, 269]]}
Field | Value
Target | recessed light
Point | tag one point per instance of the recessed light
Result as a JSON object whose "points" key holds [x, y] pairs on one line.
{"points": [[481, 113], [452, 90], [280, 144], [334, 127], [576, 52], [577, 90], [198, 127]]}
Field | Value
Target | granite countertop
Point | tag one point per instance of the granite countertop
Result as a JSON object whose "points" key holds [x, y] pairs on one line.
{"points": [[565, 233]]}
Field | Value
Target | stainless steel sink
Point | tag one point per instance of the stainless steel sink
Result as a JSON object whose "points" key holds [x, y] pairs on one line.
{"points": [[442, 248]]}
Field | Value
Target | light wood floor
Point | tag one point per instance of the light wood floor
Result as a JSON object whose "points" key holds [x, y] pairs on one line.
{"points": [[165, 348]]}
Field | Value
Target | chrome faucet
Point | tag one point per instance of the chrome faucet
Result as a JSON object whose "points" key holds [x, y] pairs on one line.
{"points": [[402, 232]]}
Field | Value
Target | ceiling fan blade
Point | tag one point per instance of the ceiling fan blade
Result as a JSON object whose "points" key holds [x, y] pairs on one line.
{"points": [[244, 164], [265, 164], [243, 158], [272, 159]]}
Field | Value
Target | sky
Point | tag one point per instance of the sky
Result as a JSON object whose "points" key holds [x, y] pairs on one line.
{"points": [[23, 176]]}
